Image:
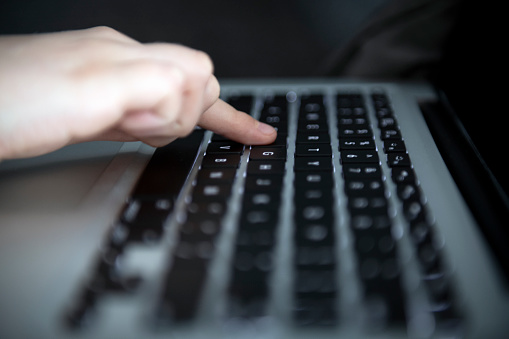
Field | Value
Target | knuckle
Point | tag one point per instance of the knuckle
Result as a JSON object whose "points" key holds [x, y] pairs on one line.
{"points": [[204, 63], [214, 89], [184, 127], [104, 31]]}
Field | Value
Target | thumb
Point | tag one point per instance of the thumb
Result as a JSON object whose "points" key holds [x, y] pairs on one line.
{"points": [[225, 120]]}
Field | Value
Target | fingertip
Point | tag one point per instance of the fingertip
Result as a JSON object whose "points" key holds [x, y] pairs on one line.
{"points": [[266, 134]]}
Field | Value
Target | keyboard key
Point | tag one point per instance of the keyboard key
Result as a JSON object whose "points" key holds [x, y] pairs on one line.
{"points": [[268, 153], [316, 164], [364, 187], [349, 132], [242, 102], [362, 171], [182, 289], [225, 147], [356, 144], [391, 146], [221, 161], [259, 167], [313, 138], [315, 150], [263, 183], [403, 175], [313, 180], [176, 159], [216, 176], [359, 156]]}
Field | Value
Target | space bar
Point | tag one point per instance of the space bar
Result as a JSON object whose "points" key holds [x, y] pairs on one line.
{"points": [[168, 169]]}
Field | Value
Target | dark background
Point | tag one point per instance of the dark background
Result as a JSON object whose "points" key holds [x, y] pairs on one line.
{"points": [[252, 38], [244, 38]]}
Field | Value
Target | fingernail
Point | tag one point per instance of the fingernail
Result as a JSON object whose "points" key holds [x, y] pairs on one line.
{"points": [[266, 129]]}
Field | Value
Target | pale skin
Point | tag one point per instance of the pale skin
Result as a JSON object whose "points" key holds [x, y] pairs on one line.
{"points": [[62, 88]]}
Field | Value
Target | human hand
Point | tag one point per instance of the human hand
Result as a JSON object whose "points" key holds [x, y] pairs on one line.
{"points": [[98, 84]]}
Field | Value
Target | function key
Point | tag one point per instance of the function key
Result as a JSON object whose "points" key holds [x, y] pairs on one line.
{"points": [[313, 138], [349, 100], [241, 102]]}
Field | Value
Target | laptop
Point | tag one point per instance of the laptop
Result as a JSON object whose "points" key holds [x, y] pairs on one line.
{"points": [[375, 214]]}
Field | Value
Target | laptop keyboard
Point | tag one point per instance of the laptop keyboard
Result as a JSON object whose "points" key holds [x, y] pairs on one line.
{"points": [[326, 203]]}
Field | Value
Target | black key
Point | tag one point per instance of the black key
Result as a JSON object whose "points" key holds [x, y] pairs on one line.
{"points": [[182, 289], [273, 119], [362, 171], [258, 217], [319, 282], [365, 205], [258, 167], [313, 138], [314, 234], [349, 100], [313, 164], [353, 122], [369, 221], [352, 112], [281, 141], [359, 157], [268, 200], [390, 134], [348, 132], [242, 102], [211, 192], [314, 150], [311, 194], [217, 147], [403, 175], [374, 244], [263, 183], [364, 187], [281, 125], [388, 122], [216, 176], [408, 192], [398, 160], [312, 103], [357, 143], [276, 103], [314, 256], [250, 275], [312, 117], [391, 146], [169, 168], [315, 311], [313, 180], [309, 213], [220, 161], [211, 208], [268, 153], [255, 238], [199, 228], [145, 219], [312, 127]]}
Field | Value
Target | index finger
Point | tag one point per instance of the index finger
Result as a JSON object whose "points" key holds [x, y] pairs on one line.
{"points": [[225, 120]]}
